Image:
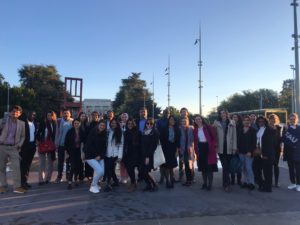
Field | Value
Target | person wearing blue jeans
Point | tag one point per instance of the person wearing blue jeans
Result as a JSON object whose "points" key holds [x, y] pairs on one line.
{"points": [[94, 153], [246, 143]]}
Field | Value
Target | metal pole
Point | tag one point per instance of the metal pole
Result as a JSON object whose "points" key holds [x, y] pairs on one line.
{"points": [[7, 97], [217, 103], [169, 83], [293, 89], [153, 97], [198, 41], [295, 36]]}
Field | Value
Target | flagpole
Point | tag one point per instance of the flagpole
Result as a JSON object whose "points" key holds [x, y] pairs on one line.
{"points": [[200, 75], [169, 83], [153, 96]]}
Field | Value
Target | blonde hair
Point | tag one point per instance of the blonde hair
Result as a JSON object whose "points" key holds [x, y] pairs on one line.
{"points": [[275, 117]]}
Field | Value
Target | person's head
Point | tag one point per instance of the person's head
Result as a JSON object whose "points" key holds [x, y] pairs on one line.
{"points": [[101, 126], [172, 122], [114, 124], [199, 121], [166, 113], [143, 113], [110, 115], [246, 121], [83, 117], [223, 115], [66, 114], [274, 120], [16, 111], [51, 116], [184, 122], [149, 123], [261, 121], [293, 119], [76, 123], [95, 116], [130, 124], [252, 118], [184, 113], [124, 117], [31, 115]]}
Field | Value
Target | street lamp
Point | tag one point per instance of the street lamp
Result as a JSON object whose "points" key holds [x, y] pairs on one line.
{"points": [[293, 99]]}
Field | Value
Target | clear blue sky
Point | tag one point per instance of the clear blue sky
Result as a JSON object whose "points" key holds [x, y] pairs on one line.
{"points": [[245, 44]]}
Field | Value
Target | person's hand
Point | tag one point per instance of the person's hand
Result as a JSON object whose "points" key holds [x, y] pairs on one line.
{"points": [[147, 161], [249, 154], [98, 158]]}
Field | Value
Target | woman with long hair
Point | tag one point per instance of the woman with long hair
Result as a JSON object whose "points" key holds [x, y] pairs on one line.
{"points": [[46, 131], [226, 144], [149, 142], [205, 143], [94, 151], [114, 153], [170, 140], [131, 151]]}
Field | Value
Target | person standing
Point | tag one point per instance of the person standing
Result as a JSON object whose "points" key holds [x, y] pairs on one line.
{"points": [[11, 140], [226, 144], [110, 115], [170, 143], [73, 142], [264, 155], [46, 131], [84, 130], [123, 171], [205, 142], [64, 126], [186, 150], [291, 140], [274, 122], [246, 144], [131, 151], [114, 153], [28, 148], [149, 142], [95, 151], [238, 174]]}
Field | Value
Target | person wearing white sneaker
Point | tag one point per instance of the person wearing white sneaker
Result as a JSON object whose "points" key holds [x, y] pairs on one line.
{"points": [[95, 150], [291, 140]]}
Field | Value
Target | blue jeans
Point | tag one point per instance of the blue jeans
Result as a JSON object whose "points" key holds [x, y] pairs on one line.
{"points": [[98, 166], [248, 176]]}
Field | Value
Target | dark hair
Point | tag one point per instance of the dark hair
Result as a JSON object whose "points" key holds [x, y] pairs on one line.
{"points": [[16, 107], [75, 120], [133, 123], [183, 108], [117, 132], [219, 114], [262, 118], [85, 122], [176, 123], [66, 110], [202, 118], [246, 117], [143, 108]]}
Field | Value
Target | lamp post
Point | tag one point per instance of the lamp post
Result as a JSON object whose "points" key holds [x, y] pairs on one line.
{"points": [[167, 72], [7, 97], [296, 51], [198, 41], [293, 99], [217, 103]]}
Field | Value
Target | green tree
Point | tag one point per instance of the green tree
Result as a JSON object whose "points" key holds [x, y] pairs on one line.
{"points": [[285, 96], [44, 82], [132, 95]]}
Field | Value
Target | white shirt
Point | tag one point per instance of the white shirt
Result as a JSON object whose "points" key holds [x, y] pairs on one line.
{"points": [[31, 131], [259, 135], [201, 136]]}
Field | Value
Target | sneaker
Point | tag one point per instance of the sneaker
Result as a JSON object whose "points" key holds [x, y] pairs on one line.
{"points": [[94, 189], [298, 188], [20, 190], [108, 188], [58, 180], [2, 190], [292, 186]]}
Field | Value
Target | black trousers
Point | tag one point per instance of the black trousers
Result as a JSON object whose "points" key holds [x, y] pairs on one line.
{"points": [[27, 153], [75, 170], [294, 172], [60, 161], [88, 170], [263, 172], [110, 169], [225, 161], [131, 172], [276, 167]]}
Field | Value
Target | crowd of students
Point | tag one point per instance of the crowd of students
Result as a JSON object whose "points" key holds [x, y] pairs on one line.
{"points": [[248, 148]]}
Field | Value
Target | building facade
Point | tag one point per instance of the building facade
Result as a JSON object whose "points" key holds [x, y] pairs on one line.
{"points": [[99, 105]]}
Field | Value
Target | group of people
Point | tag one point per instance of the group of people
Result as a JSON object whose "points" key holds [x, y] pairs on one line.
{"points": [[247, 147]]}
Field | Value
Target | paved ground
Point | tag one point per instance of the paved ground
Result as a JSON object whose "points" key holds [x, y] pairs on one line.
{"points": [[53, 204]]}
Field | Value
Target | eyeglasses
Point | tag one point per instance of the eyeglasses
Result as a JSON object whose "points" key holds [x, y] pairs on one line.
{"points": [[149, 124]]}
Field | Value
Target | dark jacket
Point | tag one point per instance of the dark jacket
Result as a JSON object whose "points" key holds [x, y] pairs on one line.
{"points": [[268, 143], [96, 144], [70, 143], [27, 134], [51, 126], [164, 137], [246, 142], [131, 153], [149, 143], [291, 140]]}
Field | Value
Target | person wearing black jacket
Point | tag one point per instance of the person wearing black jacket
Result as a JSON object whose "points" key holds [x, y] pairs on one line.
{"points": [[73, 143], [264, 155], [149, 142], [95, 151], [84, 129], [28, 148], [46, 131], [131, 153], [246, 143], [170, 143]]}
